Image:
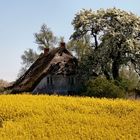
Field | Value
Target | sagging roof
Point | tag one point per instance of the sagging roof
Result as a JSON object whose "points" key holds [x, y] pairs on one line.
{"points": [[58, 61]]}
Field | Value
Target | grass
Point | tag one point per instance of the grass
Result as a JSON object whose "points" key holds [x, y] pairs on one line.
{"points": [[42, 117]]}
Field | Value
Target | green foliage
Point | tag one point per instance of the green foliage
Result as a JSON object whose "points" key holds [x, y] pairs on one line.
{"points": [[129, 79], [124, 83], [28, 58], [83, 51], [101, 87], [115, 34], [85, 67], [1, 89], [45, 38], [81, 47]]}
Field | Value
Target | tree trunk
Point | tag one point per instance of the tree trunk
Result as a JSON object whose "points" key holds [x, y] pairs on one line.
{"points": [[105, 71], [94, 33], [96, 42], [115, 70], [107, 75]]}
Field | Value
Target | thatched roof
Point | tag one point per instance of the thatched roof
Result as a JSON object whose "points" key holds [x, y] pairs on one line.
{"points": [[56, 62]]}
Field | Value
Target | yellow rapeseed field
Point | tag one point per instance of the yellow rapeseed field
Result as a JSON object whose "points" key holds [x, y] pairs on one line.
{"points": [[43, 117]]}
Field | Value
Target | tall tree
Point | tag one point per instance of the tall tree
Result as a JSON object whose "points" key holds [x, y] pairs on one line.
{"points": [[115, 34], [129, 78], [80, 47], [28, 58], [45, 38]]}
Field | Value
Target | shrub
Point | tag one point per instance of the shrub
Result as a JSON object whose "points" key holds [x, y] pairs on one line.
{"points": [[101, 87], [126, 84]]}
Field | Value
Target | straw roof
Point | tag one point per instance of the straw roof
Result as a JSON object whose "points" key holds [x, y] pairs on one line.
{"points": [[58, 61]]}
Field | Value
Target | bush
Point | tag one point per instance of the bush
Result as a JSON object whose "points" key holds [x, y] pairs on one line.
{"points": [[101, 87], [126, 84]]}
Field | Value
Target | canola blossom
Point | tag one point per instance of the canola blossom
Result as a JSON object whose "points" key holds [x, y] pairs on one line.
{"points": [[43, 117]]}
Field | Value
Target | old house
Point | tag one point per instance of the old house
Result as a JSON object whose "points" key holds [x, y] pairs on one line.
{"points": [[54, 71]]}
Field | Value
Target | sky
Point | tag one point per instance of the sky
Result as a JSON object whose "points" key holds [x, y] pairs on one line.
{"points": [[20, 19]]}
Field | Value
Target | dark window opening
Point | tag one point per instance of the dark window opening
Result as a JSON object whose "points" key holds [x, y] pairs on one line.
{"points": [[49, 81], [72, 80]]}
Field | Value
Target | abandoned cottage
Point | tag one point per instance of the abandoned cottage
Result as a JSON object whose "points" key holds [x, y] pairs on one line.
{"points": [[54, 71]]}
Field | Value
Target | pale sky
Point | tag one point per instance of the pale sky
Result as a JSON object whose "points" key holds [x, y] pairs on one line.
{"points": [[20, 19]]}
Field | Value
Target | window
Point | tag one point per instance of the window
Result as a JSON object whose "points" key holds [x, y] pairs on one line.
{"points": [[49, 80], [72, 80]]}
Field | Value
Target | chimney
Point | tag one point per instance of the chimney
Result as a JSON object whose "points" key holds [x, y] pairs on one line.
{"points": [[46, 50], [62, 45]]}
